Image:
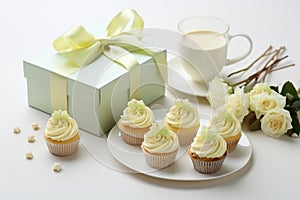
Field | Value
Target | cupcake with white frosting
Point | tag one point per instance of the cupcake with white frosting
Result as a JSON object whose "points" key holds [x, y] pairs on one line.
{"points": [[208, 151], [160, 146], [228, 126], [135, 121], [62, 134], [184, 120]]}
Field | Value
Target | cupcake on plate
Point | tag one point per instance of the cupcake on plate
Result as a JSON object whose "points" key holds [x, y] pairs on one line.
{"points": [[228, 126], [208, 151], [62, 134], [136, 120], [184, 120], [160, 146]]}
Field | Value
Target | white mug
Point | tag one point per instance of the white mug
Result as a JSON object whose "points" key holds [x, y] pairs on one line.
{"points": [[203, 47]]}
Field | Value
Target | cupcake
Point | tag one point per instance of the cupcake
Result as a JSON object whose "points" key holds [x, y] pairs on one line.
{"points": [[135, 122], [184, 120], [208, 151], [229, 127], [160, 146], [62, 134]]}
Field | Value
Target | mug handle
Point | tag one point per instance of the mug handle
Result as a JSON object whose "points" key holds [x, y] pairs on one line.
{"points": [[241, 57]]}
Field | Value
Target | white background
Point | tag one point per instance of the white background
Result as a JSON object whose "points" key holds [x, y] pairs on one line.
{"points": [[27, 27]]}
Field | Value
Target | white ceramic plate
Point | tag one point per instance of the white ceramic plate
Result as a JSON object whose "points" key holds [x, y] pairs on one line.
{"points": [[179, 80], [182, 170]]}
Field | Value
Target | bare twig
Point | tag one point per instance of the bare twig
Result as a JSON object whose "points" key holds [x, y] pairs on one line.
{"points": [[266, 69], [265, 53], [283, 67]]}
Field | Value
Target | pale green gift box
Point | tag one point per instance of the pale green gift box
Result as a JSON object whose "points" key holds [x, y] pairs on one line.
{"points": [[98, 93]]}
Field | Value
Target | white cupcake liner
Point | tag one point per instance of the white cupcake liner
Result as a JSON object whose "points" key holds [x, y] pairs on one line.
{"points": [[132, 139], [186, 137], [63, 149], [208, 167], [159, 161]]}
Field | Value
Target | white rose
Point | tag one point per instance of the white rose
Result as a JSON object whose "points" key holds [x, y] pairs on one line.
{"points": [[260, 88], [263, 102], [218, 91], [238, 104], [276, 122]]}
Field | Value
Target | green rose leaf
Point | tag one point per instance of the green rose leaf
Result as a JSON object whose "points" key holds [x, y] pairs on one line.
{"points": [[288, 87], [295, 121], [296, 105], [275, 88]]}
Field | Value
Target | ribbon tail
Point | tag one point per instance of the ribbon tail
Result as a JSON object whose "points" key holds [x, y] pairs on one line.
{"points": [[58, 85], [128, 61]]}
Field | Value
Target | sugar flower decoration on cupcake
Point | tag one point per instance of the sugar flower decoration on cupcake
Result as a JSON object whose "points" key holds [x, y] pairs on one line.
{"points": [[137, 114], [59, 115]]}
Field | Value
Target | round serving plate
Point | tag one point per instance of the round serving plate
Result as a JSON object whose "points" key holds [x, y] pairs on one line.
{"points": [[182, 169]]}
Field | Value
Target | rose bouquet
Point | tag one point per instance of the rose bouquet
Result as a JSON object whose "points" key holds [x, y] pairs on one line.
{"points": [[261, 106]]}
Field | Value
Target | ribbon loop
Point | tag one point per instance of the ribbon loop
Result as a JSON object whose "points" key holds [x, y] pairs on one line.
{"points": [[82, 48], [75, 38], [118, 24]]}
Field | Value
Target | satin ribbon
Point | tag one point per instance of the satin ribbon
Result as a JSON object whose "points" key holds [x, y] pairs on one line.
{"points": [[81, 48]]}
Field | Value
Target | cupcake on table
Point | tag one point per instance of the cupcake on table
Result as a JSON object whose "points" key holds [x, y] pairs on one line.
{"points": [[208, 151], [228, 126], [62, 134], [184, 120], [136, 120], [160, 146]]}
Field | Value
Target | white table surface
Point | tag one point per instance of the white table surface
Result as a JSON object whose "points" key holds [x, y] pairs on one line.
{"points": [[26, 27]]}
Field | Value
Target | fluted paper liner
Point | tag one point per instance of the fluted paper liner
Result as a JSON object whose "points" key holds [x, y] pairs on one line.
{"points": [[63, 148], [207, 165], [160, 160], [185, 135], [132, 136]]}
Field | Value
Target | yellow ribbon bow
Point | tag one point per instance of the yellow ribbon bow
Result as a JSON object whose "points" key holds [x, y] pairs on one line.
{"points": [[82, 48]]}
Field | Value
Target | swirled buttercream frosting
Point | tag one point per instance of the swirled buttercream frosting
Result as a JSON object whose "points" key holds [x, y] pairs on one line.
{"points": [[137, 115], [226, 124], [160, 140], [182, 114], [208, 143], [61, 127]]}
